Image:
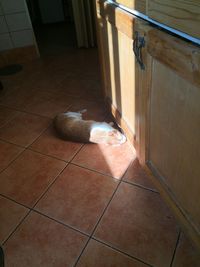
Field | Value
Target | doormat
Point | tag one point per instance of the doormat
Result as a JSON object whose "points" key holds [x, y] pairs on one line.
{"points": [[1, 258], [10, 69]]}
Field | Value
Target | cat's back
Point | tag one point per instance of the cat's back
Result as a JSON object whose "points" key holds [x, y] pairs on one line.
{"points": [[70, 126]]}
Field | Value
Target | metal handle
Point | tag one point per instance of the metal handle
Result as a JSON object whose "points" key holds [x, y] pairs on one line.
{"points": [[138, 44]]}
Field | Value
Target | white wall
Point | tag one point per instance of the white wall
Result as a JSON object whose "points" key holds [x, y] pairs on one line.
{"points": [[15, 25]]}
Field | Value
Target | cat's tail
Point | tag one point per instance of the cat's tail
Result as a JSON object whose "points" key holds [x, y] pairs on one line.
{"points": [[82, 111]]}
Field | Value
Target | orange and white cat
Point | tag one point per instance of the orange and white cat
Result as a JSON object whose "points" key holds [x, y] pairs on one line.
{"points": [[71, 126]]}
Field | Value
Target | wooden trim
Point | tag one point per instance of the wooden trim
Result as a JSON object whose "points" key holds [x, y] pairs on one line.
{"points": [[122, 123], [139, 5], [178, 55], [99, 27], [18, 55], [121, 19]]}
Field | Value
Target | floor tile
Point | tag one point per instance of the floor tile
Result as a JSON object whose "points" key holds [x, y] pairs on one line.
{"points": [[8, 153], [16, 97], [28, 176], [136, 175], [95, 111], [139, 223], [73, 87], [10, 216], [40, 241], [78, 197], [6, 114], [47, 104], [186, 254], [50, 143], [24, 129], [110, 160], [99, 255]]}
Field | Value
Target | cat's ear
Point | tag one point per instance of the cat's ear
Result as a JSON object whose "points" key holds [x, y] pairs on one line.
{"points": [[83, 111], [112, 133]]}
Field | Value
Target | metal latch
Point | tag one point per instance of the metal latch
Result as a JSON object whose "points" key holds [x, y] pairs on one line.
{"points": [[138, 44]]}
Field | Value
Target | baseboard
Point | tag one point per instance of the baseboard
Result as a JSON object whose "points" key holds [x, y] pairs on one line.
{"points": [[120, 121]]}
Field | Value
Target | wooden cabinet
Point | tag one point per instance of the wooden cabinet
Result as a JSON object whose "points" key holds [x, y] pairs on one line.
{"points": [[115, 35], [179, 14], [139, 5], [158, 104], [169, 122]]}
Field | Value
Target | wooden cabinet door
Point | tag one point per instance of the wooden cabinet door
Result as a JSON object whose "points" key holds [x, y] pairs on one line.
{"points": [[169, 123], [178, 14], [115, 31]]}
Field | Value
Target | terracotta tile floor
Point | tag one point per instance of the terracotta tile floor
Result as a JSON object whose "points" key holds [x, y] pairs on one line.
{"points": [[70, 204]]}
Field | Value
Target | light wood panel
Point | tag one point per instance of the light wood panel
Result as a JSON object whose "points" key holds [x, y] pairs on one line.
{"points": [[179, 14], [182, 57], [139, 5], [174, 137], [116, 28], [122, 20], [172, 124]]}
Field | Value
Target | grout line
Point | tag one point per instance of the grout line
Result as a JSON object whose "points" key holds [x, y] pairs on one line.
{"points": [[13, 13], [9, 120], [24, 111], [106, 207], [12, 161], [175, 249], [47, 155], [9, 32], [122, 252], [17, 226], [20, 146], [87, 168], [59, 222], [13, 200], [76, 153], [50, 185], [81, 253], [141, 187]]}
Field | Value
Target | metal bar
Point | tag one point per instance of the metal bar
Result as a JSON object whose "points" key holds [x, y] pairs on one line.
{"points": [[162, 26]]}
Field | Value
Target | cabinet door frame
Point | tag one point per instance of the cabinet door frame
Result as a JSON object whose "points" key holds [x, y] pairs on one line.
{"points": [[183, 59]]}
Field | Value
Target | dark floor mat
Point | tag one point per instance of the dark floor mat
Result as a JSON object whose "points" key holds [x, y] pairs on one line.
{"points": [[10, 69], [1, 258]]}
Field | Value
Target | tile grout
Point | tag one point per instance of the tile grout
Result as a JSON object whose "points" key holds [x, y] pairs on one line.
{"points": [[118, 250], [141, 186], [99, 220], [175, 249], [24, 111]]}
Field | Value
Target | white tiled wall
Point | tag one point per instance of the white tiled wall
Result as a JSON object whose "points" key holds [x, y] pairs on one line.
{"points": [[15, 26], [22, 38], [12, 6], [5, 42], [3, 25], [18, 21]]}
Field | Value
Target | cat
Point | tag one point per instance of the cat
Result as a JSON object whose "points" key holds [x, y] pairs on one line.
{"points": [[71, 126]]}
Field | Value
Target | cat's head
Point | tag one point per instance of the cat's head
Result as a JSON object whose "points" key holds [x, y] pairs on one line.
{"points": [[115, 137]]}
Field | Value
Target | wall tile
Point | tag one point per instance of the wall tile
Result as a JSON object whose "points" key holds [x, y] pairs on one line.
{"points": [[11, 6], [3, 25], [22, 38], [18, 21], [5, 42], [1, 10]]}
